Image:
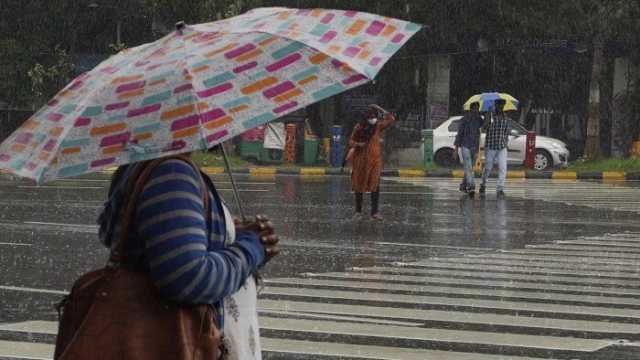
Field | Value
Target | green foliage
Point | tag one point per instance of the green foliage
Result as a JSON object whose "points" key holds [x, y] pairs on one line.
{"points": [[215, 159], [48, 79], [612, 164], [555, 78]]}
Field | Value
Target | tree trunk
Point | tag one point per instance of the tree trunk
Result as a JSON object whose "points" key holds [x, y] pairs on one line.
{"points": [[592, 144], [524, 114], [622, 114]]}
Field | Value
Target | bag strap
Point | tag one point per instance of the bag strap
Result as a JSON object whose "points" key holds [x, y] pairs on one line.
{"points": [[135, 186]]}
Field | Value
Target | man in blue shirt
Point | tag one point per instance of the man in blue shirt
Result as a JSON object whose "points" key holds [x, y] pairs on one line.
{"points": [[468, 140], [497, 139]]}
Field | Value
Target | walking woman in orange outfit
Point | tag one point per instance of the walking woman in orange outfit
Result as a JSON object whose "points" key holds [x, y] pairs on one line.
{"points": [[366, 155]]}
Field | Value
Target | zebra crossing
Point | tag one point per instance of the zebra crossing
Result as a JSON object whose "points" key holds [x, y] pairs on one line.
{"points": [[570, 299], [612, 195], [574, 298]]}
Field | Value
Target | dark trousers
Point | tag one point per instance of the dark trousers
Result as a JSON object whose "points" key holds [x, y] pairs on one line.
{"points": [[375, 201]]}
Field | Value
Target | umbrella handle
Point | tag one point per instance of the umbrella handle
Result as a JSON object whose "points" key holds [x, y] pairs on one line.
{"points": [[233, 183]]}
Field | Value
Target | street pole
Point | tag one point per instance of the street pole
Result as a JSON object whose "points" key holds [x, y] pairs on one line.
{"points": [[118, 32]]}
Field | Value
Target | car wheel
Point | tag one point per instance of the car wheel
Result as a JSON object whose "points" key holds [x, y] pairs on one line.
{"points": [[543, 160], [444, 158]]}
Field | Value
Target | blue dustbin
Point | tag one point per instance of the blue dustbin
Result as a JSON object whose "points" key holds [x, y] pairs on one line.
{"points": [[337, 146]]}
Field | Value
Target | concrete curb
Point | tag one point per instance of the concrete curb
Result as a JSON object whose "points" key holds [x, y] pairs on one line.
{"points": [[7, 176], [439, 173]]}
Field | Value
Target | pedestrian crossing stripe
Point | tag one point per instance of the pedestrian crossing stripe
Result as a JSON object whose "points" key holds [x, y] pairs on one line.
{"points": [[488, 273], [621, 196], [503, 294], [498, 284], [444, 302]]}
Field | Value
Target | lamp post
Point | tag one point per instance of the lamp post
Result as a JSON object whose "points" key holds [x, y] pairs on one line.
{"points": [[483, 47]]}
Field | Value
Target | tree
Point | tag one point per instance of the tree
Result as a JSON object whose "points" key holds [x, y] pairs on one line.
{"points": [[46, 80]]}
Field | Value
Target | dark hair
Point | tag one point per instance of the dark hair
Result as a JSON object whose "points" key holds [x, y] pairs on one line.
{"points": [[474, 104], [367, 114]]}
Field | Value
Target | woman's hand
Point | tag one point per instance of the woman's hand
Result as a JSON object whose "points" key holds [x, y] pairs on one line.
{"points": [[263, 227]]}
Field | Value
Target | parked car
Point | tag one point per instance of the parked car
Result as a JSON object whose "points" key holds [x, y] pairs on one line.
{"points": [[550, 152]]}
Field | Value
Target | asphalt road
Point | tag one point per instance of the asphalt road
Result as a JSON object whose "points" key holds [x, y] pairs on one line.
{"points": [[552, 271]]}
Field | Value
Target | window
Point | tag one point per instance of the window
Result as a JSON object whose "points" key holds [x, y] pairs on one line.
{"points": [[453, 127], [513, 125]]}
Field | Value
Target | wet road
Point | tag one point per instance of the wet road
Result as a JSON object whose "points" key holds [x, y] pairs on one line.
{"points": [[552, 271]]}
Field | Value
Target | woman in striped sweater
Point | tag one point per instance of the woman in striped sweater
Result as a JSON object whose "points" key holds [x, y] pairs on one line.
{"points": [[188, 256]]}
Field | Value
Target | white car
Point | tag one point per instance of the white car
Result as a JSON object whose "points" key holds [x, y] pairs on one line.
{"points": [[550, 152]]}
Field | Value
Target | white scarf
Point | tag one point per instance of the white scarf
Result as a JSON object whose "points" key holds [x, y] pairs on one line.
{"points": [[241, 329]]}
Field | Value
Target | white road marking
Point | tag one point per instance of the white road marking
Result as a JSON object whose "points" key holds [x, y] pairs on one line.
{"points": [[34, 290], [15, 244], [40, 327], [336, 317], [591, 194], [407, 313], [246, 190], [83, 226], [61, 187], [26, 350], [430, 334], [432, 246]]}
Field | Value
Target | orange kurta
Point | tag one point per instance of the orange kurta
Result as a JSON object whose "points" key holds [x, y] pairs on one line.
{"points": [[367, 160]]}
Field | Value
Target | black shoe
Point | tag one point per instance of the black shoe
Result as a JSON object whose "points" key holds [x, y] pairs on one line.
{"points": [[501, 194], [482, 189], [472, 193], [462, 188]]}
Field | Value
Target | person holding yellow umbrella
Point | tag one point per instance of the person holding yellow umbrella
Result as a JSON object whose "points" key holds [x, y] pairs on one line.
{"points": [[497, 134]]}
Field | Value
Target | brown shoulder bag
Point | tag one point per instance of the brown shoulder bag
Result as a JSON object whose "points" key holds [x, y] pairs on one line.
{"points": [[116, 313]]}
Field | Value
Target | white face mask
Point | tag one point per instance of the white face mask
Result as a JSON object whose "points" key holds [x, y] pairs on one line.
{"points": [[373, 121]]}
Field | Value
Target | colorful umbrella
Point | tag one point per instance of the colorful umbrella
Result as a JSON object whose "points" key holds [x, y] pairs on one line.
{"points": [[487, 101], [200, 86]]}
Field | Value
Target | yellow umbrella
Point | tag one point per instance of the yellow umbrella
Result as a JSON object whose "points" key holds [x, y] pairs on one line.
{"points": [[487, 101]]}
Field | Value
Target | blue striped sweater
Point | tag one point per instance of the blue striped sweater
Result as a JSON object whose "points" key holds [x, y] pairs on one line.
{"points": [[170, 239]]}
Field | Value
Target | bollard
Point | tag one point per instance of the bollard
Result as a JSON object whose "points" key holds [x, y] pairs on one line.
{"points": [[427, 137], [530, 151], [635, 149], [326, 142], [290, 144], [337, 147]]}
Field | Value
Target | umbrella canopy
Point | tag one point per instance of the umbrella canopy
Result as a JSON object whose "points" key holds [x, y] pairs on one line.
{"points": [[487, 101], [200, 86]]}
